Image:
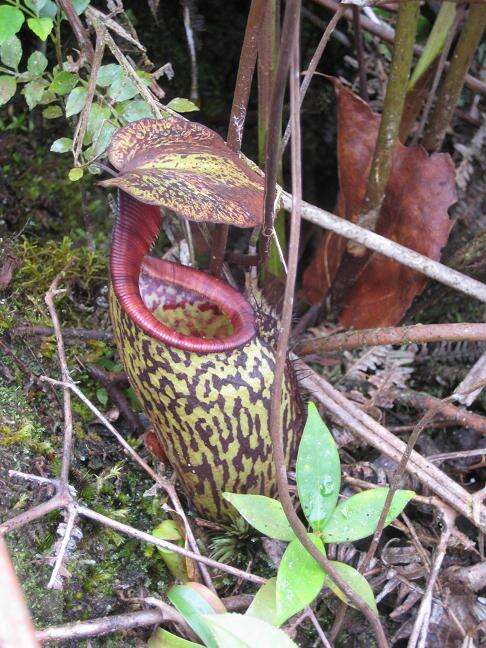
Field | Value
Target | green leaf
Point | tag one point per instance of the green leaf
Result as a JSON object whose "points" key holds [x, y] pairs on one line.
{"points": [[62, 145], [101, 140], [8, 85], [355, 580], [123, 88], [299, 579], [75, 174], [63, 82], [357, 517], [181, 105], [263, 513], [188, 168], [11, 52], [136, 110], [41, 27], [435, 41], [52, 112], [264, 604], [98, 115], [193, 606], [240, 631], [165, 639], [101, 393], [80, 6], [318, 470], [36, 63], [33, 92], [176, 564], [11, 20], [107, 74], [35, 5], [75, 101]]}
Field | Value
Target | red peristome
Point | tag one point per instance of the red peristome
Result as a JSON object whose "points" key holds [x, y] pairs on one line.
{"points": [[134, 234]]}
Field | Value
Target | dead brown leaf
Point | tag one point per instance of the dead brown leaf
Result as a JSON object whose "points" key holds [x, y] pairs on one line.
{"points": [[414, 214]]}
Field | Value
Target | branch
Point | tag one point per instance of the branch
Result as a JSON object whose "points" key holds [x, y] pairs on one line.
{"points": [[78, 28], [420, 333], [70, 332], [388, 248], [282, 348]]}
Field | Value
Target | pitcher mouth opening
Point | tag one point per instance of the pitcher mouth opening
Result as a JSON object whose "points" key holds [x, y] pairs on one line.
{"points": [[174, 304], [196, 307]]}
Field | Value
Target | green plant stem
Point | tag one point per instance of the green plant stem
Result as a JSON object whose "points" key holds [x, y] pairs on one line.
{"points": [[453, 83], [267, 60], [396, 91], [282, 347]]}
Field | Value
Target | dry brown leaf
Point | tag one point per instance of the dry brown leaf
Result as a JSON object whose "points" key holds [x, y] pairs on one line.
{"points": [[414, 213]]}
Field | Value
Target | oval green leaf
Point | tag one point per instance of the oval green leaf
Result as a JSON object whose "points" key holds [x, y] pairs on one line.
{"points": [[318, 470], [357, 517], [52, 112], [75, 101], [41, 27], [264, 604], [63, 82], [107, 74], [263, 513], [181, 105], [356, 581], [75, 174], [135, 110], [8, 85], [36, 63], [175, 563], [11, 52], [240, 631], [299, 579], [63, 145], [33, 92], [11, 20]]}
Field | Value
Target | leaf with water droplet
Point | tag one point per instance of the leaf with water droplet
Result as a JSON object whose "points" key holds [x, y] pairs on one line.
{"points": [[299, 579], [357, 517], [318, 470]]}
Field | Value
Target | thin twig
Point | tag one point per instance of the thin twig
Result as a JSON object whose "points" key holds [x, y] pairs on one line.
{"points": [[358, 44], [421, 333], [246, 69], [147, 537], [282, 349], [312, 67], [422, 620], [78, 29], [272, 144], [82, 124], [68, 332], [395, 482], [61, 553], [390, 249]]}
